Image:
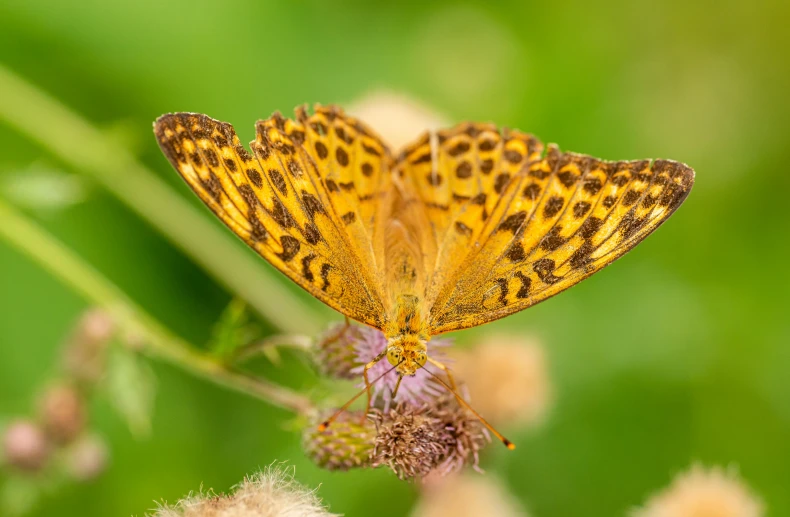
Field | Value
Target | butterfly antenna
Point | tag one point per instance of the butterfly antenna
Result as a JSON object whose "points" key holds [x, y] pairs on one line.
{"points": [[328, 421], [510, 445]]}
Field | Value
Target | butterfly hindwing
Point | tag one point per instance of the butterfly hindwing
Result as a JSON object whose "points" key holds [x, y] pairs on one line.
{"points": [[284, 200], [562, 218], [459, 175]]}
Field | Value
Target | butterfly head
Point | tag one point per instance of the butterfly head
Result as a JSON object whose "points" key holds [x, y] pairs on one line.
{"points": [[407, 352]]}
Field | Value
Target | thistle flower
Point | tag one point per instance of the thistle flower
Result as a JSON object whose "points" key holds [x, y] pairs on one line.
{"points": [[25, 446], [507, 378], [415, 390], [344, 350], [345, 444], [271, 493], [702, 492], [463, 495]]}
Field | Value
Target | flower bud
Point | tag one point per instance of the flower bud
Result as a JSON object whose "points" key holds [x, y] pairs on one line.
{"points": [[336, 353], [25, 446], [84, 354], [345, 444], [87, 458]]}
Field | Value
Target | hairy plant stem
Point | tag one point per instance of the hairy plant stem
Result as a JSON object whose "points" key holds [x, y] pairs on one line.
{"points": [[84, 147], [63, 263]]}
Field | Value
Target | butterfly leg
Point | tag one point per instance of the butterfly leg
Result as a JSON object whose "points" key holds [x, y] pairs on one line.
{"points": [[367, 367], [397, 385], [446, 370]]}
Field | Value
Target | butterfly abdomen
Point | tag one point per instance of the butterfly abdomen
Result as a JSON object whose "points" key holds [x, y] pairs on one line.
{"points": [[407, 319]]}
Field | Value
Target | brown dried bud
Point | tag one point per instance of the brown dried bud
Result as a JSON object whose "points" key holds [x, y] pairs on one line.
{"points": [[87, 458], [439, 437], [408, 442], [345, 444], [62, 413], [83, 356], [25, 446]]}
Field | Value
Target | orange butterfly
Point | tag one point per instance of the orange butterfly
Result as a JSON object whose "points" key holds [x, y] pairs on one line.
{"points": [[462, 227]]}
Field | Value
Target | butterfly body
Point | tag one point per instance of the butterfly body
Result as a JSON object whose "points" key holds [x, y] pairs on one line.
{"points": [[407, 335], [462, 227]]}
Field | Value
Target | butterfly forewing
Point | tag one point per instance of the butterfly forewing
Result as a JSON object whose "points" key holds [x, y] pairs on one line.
{"points": [[285, 200]]}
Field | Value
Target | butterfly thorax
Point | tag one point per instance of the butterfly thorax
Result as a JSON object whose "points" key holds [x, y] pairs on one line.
{"points": [[407, 335]]}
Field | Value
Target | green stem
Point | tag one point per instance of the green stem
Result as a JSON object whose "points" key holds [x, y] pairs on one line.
{"points": [[91, 285], [85, 148]]}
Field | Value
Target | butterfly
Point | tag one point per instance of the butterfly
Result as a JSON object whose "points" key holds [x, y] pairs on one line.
{"points": [[463, 226]]}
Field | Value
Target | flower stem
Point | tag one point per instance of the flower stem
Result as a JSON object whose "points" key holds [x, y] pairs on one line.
{"points": [[85, 148], [59, 260]]}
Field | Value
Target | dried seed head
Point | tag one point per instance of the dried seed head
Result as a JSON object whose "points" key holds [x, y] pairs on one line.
{"points": [[507, 378], [415, 441], [467, 495], [463, 435], [408, 442], [396, 117], [25, 446], [271, 493], [345, 444], [702, 492]]}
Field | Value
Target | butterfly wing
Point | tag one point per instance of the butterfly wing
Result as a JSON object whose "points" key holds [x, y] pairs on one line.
{"points": [[304, 200], [515, 228]]}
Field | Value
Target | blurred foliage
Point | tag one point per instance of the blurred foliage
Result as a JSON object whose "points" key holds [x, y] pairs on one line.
{"points": [[679, 352]]}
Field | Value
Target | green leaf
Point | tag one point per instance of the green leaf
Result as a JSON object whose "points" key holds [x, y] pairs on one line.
{"points": [[45, 188], [131, 387], [233, 330]]}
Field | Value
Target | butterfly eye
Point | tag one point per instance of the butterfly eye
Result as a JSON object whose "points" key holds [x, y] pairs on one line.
{"points": [[422, 359], [394, 354]]}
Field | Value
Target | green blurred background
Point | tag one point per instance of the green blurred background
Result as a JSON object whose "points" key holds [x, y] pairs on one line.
{"points": [[677, 353]]}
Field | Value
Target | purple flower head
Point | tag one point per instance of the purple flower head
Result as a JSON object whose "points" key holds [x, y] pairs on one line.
{"points": [[413, 390]]}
